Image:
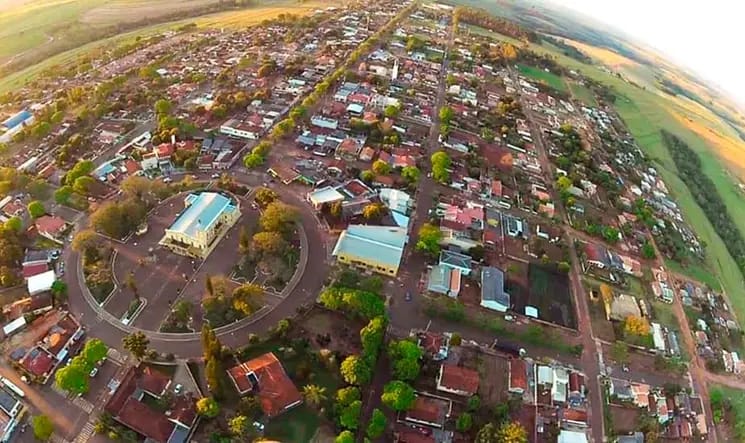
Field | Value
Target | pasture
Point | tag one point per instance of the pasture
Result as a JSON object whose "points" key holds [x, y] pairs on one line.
{"points": [[582, 93], [548, 78]]}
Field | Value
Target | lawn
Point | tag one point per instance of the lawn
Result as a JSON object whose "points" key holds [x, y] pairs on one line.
{"points": [[695, 272], [664, 315], [296, 426], [547, 78], [582, 93]]}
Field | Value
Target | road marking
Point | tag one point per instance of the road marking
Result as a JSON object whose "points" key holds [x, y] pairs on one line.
{"points": [[86, 433]]}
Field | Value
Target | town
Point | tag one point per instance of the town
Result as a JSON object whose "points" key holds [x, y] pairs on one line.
{"points": [[381, 221]]}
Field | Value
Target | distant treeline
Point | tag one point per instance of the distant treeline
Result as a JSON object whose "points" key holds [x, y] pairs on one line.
{"points": [[483, 18], [568, 50], [705, 193]]}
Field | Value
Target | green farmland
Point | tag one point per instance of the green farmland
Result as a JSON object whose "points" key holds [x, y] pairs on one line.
{"points": [[550, 79]]}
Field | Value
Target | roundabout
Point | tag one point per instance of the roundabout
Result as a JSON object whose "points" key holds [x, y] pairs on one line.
{"points": [[160, 280]]}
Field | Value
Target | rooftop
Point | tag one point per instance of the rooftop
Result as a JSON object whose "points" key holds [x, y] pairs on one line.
{"points": [[459, 378], [428, 409], [376, 243], [203, 211], [266, 375]]}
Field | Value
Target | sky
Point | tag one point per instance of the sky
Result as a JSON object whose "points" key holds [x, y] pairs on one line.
{"points": [[704, 36]]}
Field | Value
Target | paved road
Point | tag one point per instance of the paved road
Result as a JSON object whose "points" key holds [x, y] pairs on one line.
{"points": [[592, 351]]}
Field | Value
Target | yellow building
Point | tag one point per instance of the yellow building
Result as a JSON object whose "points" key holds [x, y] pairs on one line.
{"points": [[373, 248], [196, 232]]}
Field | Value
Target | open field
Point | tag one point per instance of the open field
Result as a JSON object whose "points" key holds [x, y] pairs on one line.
{"points": [[542, 76], [695, 272], [582, 93], [246, 17], [124, 11]]}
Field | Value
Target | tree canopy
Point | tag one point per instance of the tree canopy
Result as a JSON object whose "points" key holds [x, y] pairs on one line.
{"points": [[398, 395]]}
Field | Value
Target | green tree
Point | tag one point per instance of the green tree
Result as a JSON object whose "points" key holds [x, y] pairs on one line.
{"points": [[314, 395], [81, 168], [82, 185], [411, 174], [345, 437], [372, 335], [213, 373], [350, 416], [648, 250], [511, 432], [63, 195], [440, 164], [398, 395], [163, 107], [381, 168], [391, 111], [474, 402], [446, 114], [268, 243], [346, 396], [355, 370], [208, 407], [265, 196], [94, 351], [43, 427], [405, 356], [373, 211], [36, 209], [136, 343], [376, 425], [367, 176], [247, 297], [429, 239], [14, 223], [252, 161], [240, 425], [278, 217], [464, 422], [72, 378], [489, 433]]}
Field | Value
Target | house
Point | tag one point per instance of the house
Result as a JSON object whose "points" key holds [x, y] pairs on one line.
{"points": [[518, 376], [455, 260], [51, 227], [265, 377], [132, 406], [624, 306], [429, 410], [444, 280], [457, 380], [41, 282], [493, 295], [436, 346], [34, 269], [596, 255], [373, 248], [324, 196]]}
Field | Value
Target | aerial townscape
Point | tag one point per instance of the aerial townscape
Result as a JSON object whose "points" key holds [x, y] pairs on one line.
{"points": [[363, 221]]}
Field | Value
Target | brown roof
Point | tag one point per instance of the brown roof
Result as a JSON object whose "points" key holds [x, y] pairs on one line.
{"points": [[184, 410], [406, 434], [275, 389], [153, 381], [518, 375], [432, 342], [145, 420], [50, 224], [576, 381], [34, 269], [459, 378], [577, 415], [38, 362], [427, 409]]}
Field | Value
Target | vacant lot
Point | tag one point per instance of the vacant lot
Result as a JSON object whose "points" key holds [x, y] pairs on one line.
{"points": [[548, 78], [549, 292]]}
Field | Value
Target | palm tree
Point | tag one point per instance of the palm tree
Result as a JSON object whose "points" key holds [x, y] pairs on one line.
{"points": [[314, 395]]}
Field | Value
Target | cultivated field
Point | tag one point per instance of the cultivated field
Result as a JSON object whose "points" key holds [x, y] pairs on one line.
{"points": [[124, 11]]}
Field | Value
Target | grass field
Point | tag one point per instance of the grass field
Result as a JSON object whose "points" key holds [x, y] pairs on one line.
{"points": [[582, 93], [123, 11], [695, 272], [547, 78], [243, 18]]}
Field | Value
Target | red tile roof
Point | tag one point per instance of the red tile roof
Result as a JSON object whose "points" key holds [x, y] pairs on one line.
{"points": [[50, 224], [518, 374], [575, 415], [131, 166], [164, 150], [145, 420], [459, 378], [38, 362], [275, 389], [34, 269], [153, 381], [432, 342], [428, 410]]}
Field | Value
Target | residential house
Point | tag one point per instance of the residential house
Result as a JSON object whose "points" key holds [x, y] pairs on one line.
{"points": [[373, 248], [265, 377], [493, 295], [458, 380]]}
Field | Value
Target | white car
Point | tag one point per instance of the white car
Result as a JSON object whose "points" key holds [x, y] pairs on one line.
{"points": [[94, 371], [215, 176]]}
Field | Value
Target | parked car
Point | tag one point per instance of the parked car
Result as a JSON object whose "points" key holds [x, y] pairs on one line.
{"points": [[94, 371]]}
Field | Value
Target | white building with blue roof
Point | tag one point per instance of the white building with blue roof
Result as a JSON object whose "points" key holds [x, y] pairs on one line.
{"points": [[14, 125], [199, 228], [374, 248]]}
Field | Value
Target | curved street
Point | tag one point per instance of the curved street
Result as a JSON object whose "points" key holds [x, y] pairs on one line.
{"points": [[99, 323]]}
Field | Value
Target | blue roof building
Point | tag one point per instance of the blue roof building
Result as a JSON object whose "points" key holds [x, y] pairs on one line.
{"points": [[17, 120], [197, 230], [493, 295], [374, 248]]}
